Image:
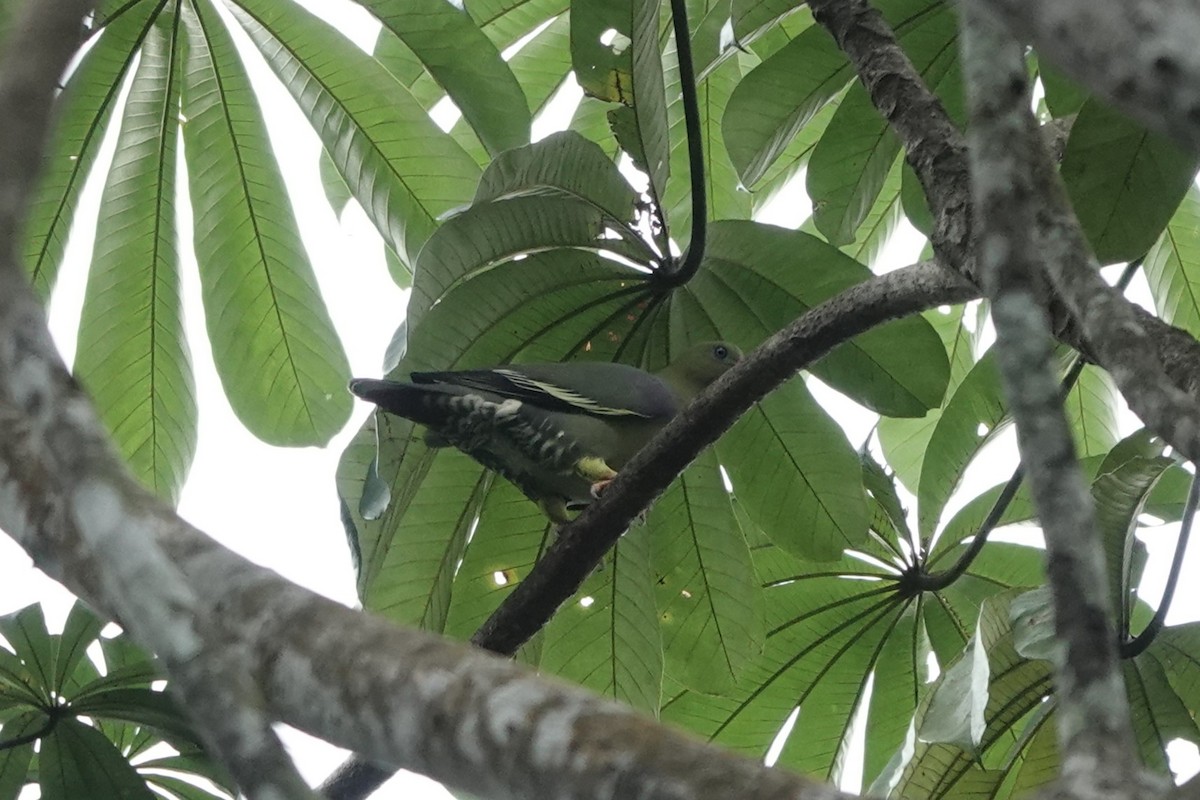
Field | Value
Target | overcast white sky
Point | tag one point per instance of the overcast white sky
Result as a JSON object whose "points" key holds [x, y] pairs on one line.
{"points": [[278, 506]]}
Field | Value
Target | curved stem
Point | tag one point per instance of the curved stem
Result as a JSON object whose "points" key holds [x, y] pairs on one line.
{"points": [[1131, 648], [681, 272], [940, 580]]}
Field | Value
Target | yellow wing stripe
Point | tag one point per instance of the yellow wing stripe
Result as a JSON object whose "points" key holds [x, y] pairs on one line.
{"points": [[568, 396]]}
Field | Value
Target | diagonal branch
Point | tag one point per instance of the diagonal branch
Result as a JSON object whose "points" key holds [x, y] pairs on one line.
{"points": [[1095, 729]]}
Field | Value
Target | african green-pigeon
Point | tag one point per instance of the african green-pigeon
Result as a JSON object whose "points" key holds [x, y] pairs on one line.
{"points": [[557, 431]]}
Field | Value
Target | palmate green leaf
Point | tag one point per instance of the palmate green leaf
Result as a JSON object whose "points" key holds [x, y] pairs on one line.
{"points": [[900, 683], [1092, 412], [72, 669], [749, 17], [880, 221], [778, 98], [14, 761], [822, 635], [724, 199], [83, 110], [628, 71], [1063, 96], [757, 278], [557, 193], [132, 353], [1123, 483], [1124, 182], [143, 707], [794, 157], [826, 633], [543, 64], [1016, 687], [977, 404], [1173, 266], [32, 671], [851, 162], [1159, 715], [904, 441], [611, 645], [955, 713], [889, 518], [511, 535], [336, 190], [709, 602], [506, 21], [276, 351], [399, 165], [1176, 650], [481, 86], [79, 761], [796, 475]]}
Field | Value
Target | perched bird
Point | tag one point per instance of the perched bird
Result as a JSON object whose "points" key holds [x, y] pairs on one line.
{"points": [[558, 431]]}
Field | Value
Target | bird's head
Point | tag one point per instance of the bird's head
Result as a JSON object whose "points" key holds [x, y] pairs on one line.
{"points": [[699, 365]]}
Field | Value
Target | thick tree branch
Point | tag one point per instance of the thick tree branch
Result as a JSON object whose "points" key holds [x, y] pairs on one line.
{"points": [[1139, 55], [937, 153], [1095, 730]]}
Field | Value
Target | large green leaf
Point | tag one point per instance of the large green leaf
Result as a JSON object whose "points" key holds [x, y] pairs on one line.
{"points": [[607, 637], [79, 761], [1173, 266], [14, 759], [83, 113], [506, 21], [132, 355], [1015, 688], [482, 86], [278, 356], [403, 170], [904, 441], [854, 157], [724, 198], [757, 278], [971, 418], [709, 602], [796, 475], [1124, 182], [778, 98], [616, 56]]}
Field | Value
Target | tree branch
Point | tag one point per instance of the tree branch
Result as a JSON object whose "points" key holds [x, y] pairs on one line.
{"points": [[1095, 730], [936, 151], [1140, 56]]}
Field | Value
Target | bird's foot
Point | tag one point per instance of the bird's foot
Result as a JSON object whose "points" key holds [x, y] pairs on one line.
{"points": [[594, 469], [600, 486]]}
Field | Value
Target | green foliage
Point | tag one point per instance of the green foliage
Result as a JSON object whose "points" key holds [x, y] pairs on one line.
{"points": [[89, 705], [780, 576]]}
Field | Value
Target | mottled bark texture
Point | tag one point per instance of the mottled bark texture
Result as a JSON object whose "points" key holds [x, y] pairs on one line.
{"points": [[935, 149], [1095, 733], [1139, 55]]}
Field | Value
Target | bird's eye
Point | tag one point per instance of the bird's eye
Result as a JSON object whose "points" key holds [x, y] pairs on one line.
{"points": [[721, 352]]}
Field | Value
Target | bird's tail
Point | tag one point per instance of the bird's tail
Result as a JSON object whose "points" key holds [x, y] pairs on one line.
{"points": [[396, 397]]}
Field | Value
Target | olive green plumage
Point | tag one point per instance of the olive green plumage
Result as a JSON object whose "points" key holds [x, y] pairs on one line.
{"points": [[557, 431]]}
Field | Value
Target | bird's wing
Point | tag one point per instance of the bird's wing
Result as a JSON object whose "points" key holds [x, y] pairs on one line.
{"points": [[595, 389]]}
